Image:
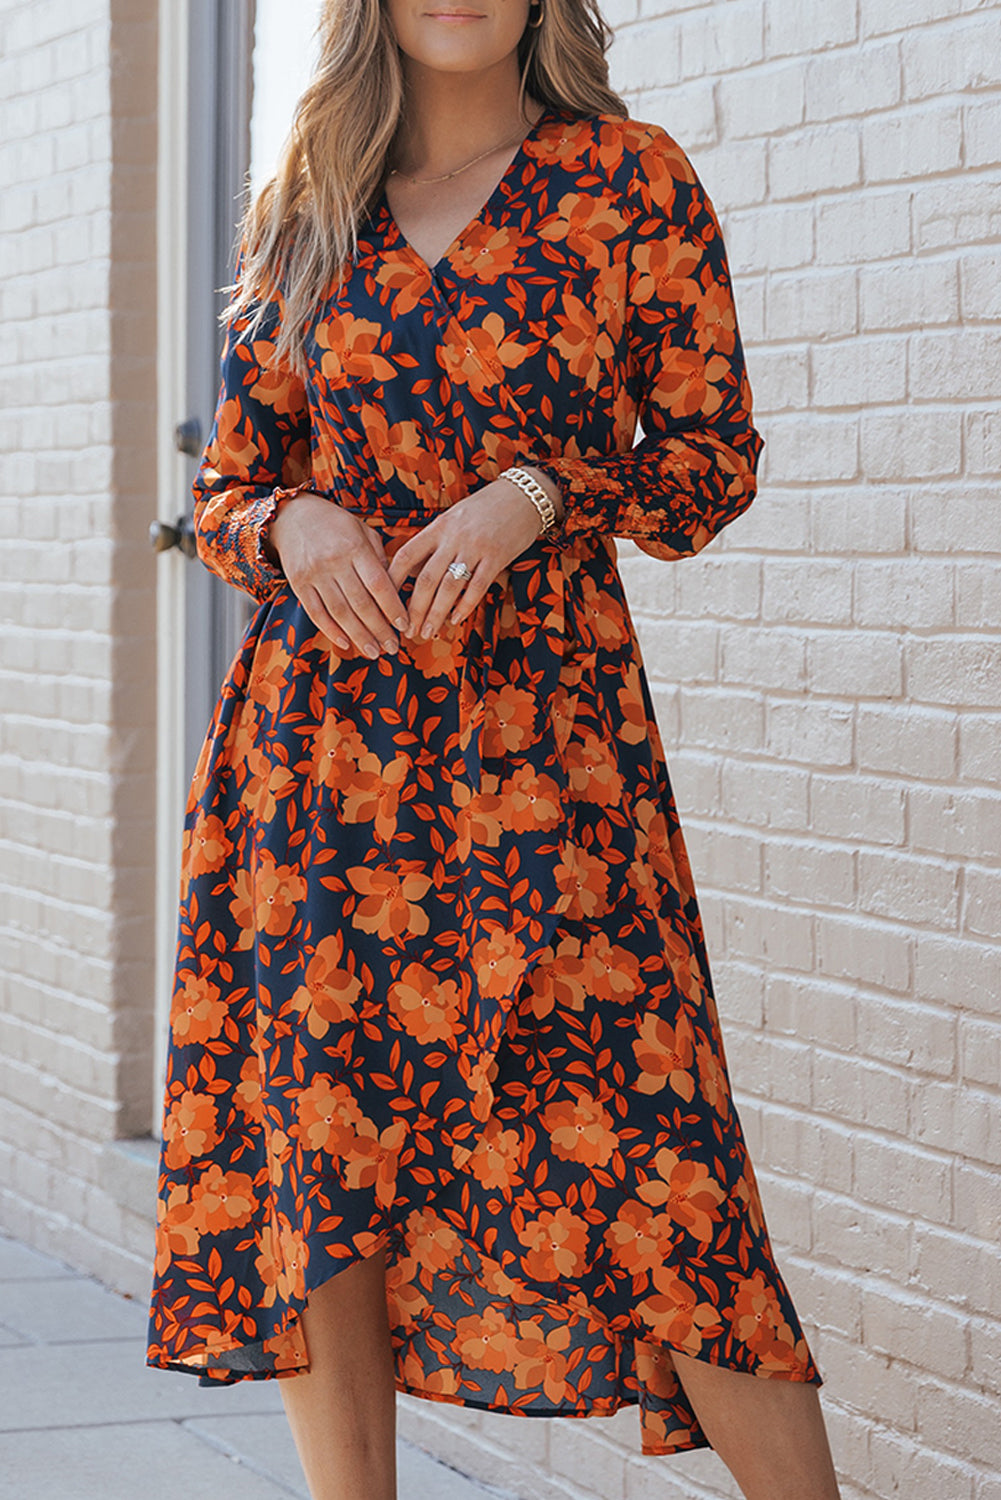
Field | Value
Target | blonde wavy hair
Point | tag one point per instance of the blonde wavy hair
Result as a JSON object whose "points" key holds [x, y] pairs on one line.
{"points": [[301, 230]]}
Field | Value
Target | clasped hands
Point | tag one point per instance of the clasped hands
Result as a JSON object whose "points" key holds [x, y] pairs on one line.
{"points": [[337, 566]]}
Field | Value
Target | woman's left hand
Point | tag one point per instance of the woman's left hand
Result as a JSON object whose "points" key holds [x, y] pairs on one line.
{"points": [[487, 531]]}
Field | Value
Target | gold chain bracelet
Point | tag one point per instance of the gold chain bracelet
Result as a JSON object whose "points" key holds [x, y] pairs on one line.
{"points": [[535, 493]]}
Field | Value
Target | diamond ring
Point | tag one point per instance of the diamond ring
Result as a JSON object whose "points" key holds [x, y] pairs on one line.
{"points": [[460, 571]]}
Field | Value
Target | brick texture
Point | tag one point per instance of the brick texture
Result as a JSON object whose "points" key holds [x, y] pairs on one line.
{"points": [[77, 646]]}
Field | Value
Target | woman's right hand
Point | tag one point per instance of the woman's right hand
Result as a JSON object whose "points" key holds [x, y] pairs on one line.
{"points": [[337, 568]]}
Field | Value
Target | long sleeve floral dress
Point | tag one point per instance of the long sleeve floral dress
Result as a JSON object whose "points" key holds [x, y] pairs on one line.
{"points": [[441, 982]]}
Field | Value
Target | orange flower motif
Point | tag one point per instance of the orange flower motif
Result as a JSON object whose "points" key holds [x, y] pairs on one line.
{"points": [[399, 449], [330, 994], [662, 164], [757, 1320], [206, 846], [427, 1005], [477, 1072], [436, 657], [610, 626], [499, 961], [177, 1229], [712, 1078], [373, 1159], [637, 1239], [479, 356], [635, 727], [280, 1151], [405, 1300], [673, 1312], [405, 276], [390, 899], [652, 836], [264, 784], [530, 802], [665, 1054], [351, 350], [371, 793], [582, 342], [190, 1129], [540, 1359], [715, 320], [277, 888], [234, 443], [666, 268], [478, 820], [269, 675], [281, 1262], [337, 748], [745, 1192], [580, 1129], [438, 1384], [613, 973], [587, 223], [196, 1012], [496, 1161], [566, 146], [687, 384], [248, 1091], [241, 908], [594, 772], [327, 1116], [433, 1243], [687, 1191], [500, 450], [223, 1200], [756, 1316], [274, 386], [655, 1370], [487, 252], [584, 878], [556, 1245], [561, 978], [486, 1341], [609, 297]]}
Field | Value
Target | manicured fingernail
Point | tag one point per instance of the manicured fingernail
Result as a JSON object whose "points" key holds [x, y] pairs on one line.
{"points": [[391, 645], [372, 651], [402, 623]]}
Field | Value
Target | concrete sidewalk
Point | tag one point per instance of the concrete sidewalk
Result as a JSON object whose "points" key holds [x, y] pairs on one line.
{"points": [[83, 1418]]}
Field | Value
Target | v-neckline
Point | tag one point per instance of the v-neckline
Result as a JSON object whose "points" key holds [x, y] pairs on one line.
{"points": [[484, 208]]}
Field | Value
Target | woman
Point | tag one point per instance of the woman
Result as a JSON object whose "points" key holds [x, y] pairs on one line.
{"points": [[444, 1044]]}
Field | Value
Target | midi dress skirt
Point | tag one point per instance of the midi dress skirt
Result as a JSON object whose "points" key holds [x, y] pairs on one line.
{"points": [[441, 981]]}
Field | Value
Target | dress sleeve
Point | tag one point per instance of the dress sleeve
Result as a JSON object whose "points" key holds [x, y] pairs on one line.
{"points": [[256, 456], [694, 469]]}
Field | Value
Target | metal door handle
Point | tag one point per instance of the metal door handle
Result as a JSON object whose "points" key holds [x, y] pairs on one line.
{"points": [[163, 536]]}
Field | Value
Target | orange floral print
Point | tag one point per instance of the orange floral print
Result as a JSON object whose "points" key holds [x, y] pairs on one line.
{"points": [[441, 983], [189, 1128], [580, 1130], [331, 992], [428, 1005], [391, 899], [556, 1245], [687, 1191]]}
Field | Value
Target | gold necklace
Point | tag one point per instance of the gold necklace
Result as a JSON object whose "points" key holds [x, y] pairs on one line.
{"points": [[395, 172]]}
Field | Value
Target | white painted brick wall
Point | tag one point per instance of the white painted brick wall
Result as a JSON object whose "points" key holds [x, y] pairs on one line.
{"points": [[77, 165], [834, 738]]}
